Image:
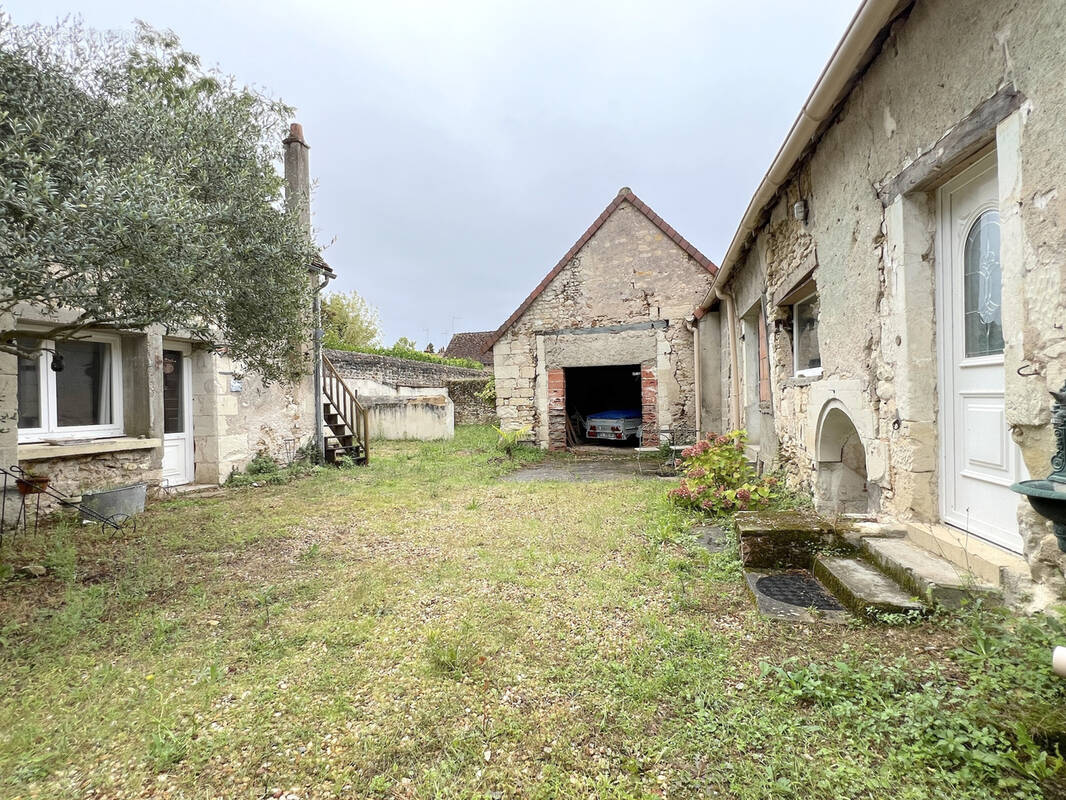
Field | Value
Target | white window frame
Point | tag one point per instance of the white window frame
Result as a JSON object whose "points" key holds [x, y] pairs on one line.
{"points": [[49, 412], [809, 372]]}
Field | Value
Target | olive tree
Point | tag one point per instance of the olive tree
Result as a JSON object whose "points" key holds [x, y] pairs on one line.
{"points": [[138, 188]]}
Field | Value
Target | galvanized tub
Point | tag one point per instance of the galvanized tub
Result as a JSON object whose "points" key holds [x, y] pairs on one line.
{"points": [[128, 500]]}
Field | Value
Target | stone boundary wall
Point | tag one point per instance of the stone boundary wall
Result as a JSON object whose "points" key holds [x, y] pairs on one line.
{"points": [[469, 408], [398, 371]]}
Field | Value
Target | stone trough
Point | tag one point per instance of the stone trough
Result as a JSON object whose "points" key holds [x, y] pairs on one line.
{"points": [[870, 570]]}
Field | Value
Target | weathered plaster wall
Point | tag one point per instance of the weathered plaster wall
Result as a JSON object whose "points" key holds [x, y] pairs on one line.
{"points": [[236, 416], [628, 273], [874, 256], [423, 418]]}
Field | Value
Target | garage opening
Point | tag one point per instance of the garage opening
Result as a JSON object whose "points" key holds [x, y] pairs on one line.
{"points": [[603, 404]]}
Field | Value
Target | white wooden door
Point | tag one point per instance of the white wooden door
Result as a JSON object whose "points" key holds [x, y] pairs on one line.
{"points": [[177, 415], [979, 460]]}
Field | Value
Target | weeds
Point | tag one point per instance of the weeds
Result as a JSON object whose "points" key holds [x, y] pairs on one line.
{"points": [[467, 637], [454, 653]]}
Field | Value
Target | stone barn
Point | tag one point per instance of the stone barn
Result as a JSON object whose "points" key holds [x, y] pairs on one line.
{"points": [[606, 330]]}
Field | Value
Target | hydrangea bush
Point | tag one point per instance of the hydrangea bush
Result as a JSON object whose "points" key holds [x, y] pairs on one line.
{"points": [[718, 480]]}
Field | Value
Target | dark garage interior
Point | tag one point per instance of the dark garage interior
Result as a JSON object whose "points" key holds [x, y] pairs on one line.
{"points": [[591, 390]]}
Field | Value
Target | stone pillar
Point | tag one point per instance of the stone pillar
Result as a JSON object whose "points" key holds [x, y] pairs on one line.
{"points": [[8, 416], [908, 335], [556, 409], [205, 420], [649, 402]]}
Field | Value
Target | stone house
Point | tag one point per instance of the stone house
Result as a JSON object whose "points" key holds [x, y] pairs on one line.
{"points": [[606, 329], [889, 316], [149, 405]]}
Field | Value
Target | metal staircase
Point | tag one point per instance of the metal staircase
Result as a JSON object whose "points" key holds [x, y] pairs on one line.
{"points": [[347, 429]]}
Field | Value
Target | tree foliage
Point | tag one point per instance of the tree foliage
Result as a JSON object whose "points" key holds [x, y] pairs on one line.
{"points": [[403, 343], [139, 189], [349, 322]]}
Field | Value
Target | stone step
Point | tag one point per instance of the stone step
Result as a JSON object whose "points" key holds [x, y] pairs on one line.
{"points": [[989, 563], [928, 576], [862, 589]]}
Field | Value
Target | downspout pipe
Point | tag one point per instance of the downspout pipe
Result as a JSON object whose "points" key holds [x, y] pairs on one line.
{"points": [[693, 325], [734, 356]]}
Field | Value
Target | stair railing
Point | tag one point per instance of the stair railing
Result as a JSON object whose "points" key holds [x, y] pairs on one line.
{"points": [[351, 411]]}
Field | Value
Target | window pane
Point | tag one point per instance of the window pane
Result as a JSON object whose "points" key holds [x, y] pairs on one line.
{"points": [[83, 386], [173, 393], [29, 386], [983, 287], [806, 333]]}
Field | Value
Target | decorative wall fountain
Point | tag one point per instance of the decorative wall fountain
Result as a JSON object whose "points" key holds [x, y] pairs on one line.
{"points": [[1048, 496]]}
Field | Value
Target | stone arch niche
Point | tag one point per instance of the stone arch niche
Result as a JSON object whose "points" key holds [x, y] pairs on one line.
{"points": [[841, 483]]}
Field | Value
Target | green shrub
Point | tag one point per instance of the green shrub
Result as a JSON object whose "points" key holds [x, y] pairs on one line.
{"points": [[487, 393], [415, 355], [264, 470], [511, 441], [718, 479], [262, 464]]}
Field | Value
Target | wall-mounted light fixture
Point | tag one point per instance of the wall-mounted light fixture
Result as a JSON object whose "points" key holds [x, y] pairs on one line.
{"points": [[799, 211]]}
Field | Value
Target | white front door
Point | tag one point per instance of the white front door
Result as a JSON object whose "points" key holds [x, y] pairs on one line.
{"points": [[177, 415], [979, 460]]}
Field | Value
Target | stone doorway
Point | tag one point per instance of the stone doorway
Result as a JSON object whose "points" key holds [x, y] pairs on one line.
{"points": [[588, 390]]}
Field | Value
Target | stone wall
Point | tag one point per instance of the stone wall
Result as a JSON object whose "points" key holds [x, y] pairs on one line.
{"points": [[389, 387], [397, 371], [8, 415], [869, 239], [236, 416], [469, 408], [622, 299], [72, 476]]}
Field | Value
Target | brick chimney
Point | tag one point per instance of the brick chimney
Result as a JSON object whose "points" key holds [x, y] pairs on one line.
{"points": [[298, 174]]}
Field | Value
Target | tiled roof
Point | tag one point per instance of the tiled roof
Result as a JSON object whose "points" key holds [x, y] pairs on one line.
{"points": [[625, 195], [319, 264], [471, 344]]}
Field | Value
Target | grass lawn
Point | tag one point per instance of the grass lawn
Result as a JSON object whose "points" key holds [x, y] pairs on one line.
{"points": [[419, 628]]}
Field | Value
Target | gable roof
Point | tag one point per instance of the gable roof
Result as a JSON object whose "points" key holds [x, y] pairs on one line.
{"points": [[470, 344], [625, 195]]}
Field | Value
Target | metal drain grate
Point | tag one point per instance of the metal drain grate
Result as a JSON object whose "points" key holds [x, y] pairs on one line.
{"points": [[797, 589]]}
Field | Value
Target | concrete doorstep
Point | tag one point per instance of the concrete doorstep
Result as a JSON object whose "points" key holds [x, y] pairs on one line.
{"points": [[928, 576]]}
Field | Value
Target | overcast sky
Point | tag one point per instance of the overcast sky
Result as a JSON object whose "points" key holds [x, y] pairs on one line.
{"points": [[460, 148]]}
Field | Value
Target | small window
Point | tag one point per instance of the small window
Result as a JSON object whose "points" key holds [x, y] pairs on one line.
{"points": [[29, 386], [173, 392], [806, 356], [983, 287], [82, 399]]}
